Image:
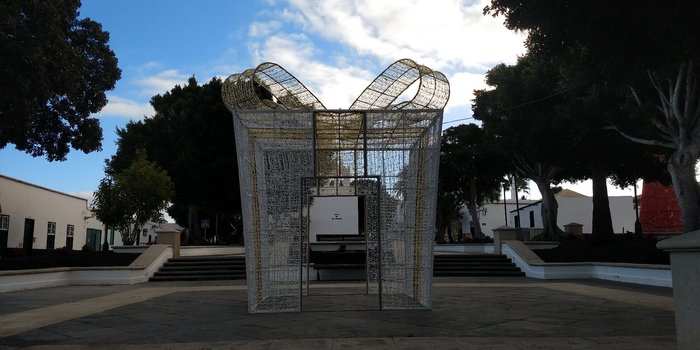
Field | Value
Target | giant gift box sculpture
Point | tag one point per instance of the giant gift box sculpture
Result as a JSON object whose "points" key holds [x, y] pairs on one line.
{"points": [[290, 147]]}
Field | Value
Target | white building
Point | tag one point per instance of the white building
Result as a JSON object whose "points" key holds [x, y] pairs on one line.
{"points": [[42, 218], [493, 215], [575, 207]]}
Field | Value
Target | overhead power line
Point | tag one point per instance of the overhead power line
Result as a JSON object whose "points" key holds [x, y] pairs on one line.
{"points": [[457, 120]]}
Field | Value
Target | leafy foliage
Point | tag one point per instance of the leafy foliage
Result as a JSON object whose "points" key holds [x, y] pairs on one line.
{"points": [[471, 170], [138, 194], [191, 137], [523, 115], [601, 49], [54, 71], [110, 205]]}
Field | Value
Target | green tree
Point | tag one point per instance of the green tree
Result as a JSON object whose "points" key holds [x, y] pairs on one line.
{"points": [[471, 168], [133, 197], [147, 190], [191, 136], [523, 116], [601, 48], [110, 206], [54, 71]]}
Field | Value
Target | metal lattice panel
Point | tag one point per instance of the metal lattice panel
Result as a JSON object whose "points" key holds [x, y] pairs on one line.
{"points": [[268, 86], [288, 154], [433, 90]]}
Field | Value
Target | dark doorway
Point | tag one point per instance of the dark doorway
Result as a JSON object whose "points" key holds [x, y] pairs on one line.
{"points": [[4, 230], [50, 242], [28, 242], [93, 239]]}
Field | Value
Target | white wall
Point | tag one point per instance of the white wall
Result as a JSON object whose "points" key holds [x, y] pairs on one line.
{"points": [[491, 216], [333, 216], [21, 200], [580, 210]]}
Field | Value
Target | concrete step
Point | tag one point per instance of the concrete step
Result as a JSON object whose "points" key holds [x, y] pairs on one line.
{"points": [[218, 277], [198, 268], [479, 274], [474, 265], [477, 268]]}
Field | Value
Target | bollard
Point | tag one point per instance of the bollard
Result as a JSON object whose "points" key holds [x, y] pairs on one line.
{"points": [[171, 237], [500, 234], [685, 272]]}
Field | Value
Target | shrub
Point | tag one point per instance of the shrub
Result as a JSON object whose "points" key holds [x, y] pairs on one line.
{"points": [[62, 251]]}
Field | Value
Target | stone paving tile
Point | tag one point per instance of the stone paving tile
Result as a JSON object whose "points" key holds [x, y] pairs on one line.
{"points": [[24, 300], [219, 318]]}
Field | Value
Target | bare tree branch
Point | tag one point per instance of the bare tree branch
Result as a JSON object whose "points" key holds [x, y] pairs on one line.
{"points": [[641, 140]]}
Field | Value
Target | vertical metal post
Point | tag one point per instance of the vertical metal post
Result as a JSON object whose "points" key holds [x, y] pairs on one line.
{"points": [[364, 138], [505, 205], [313, 141], [379, 240], [517, 205], [301, 246]]}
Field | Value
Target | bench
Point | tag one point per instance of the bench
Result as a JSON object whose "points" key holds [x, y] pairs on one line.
{"points": [[336, 260]]}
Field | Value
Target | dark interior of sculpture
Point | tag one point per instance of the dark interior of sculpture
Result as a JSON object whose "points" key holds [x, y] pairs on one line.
{"points": [[380, 155]]}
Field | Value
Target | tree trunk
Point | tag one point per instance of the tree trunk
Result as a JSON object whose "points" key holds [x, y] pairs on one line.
{"points": [[439, 233], [550, 211], [682, 169], [472, 210], [602, 230], [137, 232], [195, 234]]}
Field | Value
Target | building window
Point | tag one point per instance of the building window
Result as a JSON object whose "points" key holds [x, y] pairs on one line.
{"points": [[4, 228], [145, 232], [70, 232], [4, 222], [51, 235]]}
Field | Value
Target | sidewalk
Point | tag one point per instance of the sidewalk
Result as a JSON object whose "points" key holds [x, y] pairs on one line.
{"points": [[468, 313]]}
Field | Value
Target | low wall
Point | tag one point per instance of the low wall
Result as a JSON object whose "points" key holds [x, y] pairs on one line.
{"points": [[137, 272], [533, 266], [486, 248], [474, 248], [211, 250]]}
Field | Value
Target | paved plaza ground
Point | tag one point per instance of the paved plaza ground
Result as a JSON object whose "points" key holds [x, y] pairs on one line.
{"points": [[468, 313]]}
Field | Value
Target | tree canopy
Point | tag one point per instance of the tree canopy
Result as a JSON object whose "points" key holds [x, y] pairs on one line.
{"points": [[191, 137], [137, 195], [54, 71], [471, 169], [600, 49], [522, 115]]}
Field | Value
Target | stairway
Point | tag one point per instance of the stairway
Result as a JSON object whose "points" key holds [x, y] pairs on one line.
{"points": [[200, 268], [474, 265]]}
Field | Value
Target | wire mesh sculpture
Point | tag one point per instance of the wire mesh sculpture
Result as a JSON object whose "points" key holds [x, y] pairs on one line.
{"points": [[291, 149]]}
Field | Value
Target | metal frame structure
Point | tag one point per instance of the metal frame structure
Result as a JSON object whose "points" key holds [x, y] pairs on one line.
{"points": [[291, 148]]}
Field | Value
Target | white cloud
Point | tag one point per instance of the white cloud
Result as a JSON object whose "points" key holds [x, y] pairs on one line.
{"points": [[462, 86], [440, 34], [125, 108], [161, 82], [336, 85], [261, 29], [451, 36]]}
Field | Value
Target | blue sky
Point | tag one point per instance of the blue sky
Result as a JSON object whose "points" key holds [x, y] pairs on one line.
{"points": [[335, 48]]}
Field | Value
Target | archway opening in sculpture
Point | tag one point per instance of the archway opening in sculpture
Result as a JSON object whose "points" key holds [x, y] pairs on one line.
{"points": [[341, 235]]}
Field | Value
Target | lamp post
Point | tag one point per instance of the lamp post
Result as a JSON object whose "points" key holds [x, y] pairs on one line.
{"points": [[105, 245], [637, 224]]}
